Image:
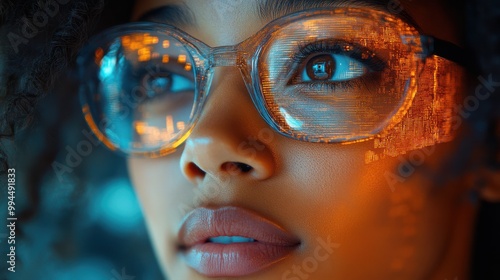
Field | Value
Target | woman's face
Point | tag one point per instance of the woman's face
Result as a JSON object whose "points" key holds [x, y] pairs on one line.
{"points": [[345, 219]]}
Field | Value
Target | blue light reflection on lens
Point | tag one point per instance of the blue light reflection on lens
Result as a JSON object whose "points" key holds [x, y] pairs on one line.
{"points": [[291, 121], [111, 78], [109, 63], [107, 67]]}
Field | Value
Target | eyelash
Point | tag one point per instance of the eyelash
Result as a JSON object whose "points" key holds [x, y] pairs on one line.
{"points": [[334, 46]]}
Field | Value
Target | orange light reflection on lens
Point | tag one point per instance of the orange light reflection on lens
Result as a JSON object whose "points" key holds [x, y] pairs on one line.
{"points": [[95, 129], [99, 54], [152, 135], [181, 58], [165, 58], [166, 44]]}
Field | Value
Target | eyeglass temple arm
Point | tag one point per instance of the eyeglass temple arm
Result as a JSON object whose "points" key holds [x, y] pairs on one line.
{"points": [[449, 51]]}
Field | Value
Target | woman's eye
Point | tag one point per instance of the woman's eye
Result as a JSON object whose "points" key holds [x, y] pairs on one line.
{"points": [[168, 83], [332, 67], [160, 84]]}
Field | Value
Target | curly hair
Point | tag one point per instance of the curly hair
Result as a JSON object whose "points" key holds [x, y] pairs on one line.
{"points": [[33, 71]]}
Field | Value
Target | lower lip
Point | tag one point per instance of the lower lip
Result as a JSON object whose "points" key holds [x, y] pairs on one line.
{"points": [[237, 259]]}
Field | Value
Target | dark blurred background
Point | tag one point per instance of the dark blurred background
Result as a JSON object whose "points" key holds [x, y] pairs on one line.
{"points": [[81, 221]]}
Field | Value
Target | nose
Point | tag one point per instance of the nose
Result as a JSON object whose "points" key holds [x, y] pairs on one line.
{"points": [[230, 137]]}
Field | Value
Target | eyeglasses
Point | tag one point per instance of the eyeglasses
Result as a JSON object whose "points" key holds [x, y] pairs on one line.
{"points": [[330, 76]]}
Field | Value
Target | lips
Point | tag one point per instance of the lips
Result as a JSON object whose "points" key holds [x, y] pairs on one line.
{"points": [[251, 242]]}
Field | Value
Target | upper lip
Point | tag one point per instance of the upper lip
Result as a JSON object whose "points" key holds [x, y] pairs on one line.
{"points": [[204, 223]]}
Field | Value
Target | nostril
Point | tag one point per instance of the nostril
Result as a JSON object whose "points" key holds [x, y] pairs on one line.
{"points": [[244, 167], [193, 171], [236, 167]]}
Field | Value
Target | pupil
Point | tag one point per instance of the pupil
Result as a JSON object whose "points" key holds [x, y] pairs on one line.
{"points": [[160, 84], [321, 67], [157, 85]]}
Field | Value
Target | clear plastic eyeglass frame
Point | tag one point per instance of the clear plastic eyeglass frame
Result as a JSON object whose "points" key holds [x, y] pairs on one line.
{"points": [[292, 104]]}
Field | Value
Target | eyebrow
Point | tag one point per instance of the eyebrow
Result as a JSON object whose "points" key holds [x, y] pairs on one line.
{"points": [[170, 14], [272, 9], [181, 14]]}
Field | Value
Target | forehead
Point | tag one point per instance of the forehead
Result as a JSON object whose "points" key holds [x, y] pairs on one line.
{"points": [[228, 22]]}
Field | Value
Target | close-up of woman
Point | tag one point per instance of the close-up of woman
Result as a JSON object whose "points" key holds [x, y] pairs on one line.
{"points": [[284, 139]]}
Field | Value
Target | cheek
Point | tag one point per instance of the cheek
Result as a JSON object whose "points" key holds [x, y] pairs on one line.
{"points": [[163, 192], [385, 227], [158, 183]]}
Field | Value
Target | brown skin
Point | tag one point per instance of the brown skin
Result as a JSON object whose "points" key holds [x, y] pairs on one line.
{"points": [[313, 190]]}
